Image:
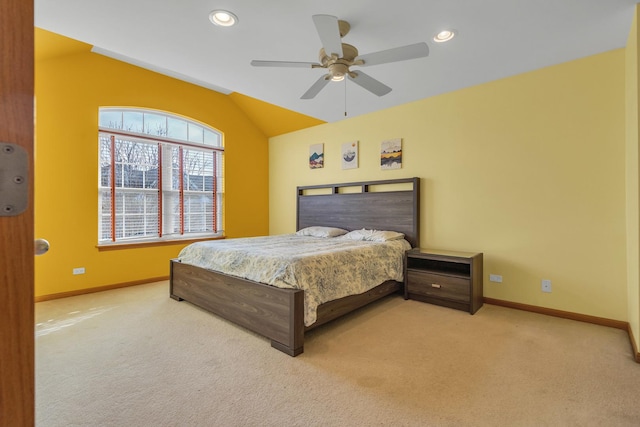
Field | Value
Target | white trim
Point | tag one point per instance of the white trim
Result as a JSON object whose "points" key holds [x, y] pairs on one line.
{"points": [[159, 70]]}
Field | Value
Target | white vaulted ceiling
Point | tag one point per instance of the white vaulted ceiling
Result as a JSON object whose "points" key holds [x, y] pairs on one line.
{"points": [[495, 39]]}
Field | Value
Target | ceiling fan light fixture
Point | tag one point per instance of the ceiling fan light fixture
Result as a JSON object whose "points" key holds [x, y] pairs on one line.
{"points": [[342, 56], [444, 36], [223, 18]]}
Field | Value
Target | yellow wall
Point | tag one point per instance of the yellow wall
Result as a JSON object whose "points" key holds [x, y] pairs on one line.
{"points": [[271, 119], [69, 91], [529, 170], [632, 179]]}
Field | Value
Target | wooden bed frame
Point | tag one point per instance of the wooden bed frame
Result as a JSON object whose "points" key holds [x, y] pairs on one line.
{"points": [[277, 313]]}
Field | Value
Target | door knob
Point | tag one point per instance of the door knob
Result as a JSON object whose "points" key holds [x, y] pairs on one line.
{"points": [[41, 246]]}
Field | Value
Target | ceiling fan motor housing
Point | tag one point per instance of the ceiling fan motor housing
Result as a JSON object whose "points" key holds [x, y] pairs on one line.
{"points": [[339, 67]]}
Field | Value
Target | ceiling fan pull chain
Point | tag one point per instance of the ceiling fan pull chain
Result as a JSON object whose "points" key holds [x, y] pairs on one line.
{"points": [[345, 97]]}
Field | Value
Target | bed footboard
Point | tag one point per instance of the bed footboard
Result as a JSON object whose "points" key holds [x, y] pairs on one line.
{"points": [[275, 313]]}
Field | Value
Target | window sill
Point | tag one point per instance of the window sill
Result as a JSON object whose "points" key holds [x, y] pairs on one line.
{"points": [[138, 245]]}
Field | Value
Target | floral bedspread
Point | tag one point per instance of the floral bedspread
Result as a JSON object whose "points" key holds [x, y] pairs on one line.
{"points": [[325, 268]]}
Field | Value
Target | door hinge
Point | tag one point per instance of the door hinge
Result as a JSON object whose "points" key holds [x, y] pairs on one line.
{"points": [[14, 188]]}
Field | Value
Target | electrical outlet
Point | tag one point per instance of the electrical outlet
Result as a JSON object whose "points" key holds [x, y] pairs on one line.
{"points": [[546, 285], [79, 270], [495, 278]]}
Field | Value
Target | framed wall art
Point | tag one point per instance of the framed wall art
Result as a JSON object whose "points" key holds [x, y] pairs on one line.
{"points": [[391, 154], [349, 155], [316, 156]]}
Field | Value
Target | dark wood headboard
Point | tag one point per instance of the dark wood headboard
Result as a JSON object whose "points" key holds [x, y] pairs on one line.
{"points": [[378, 205]]}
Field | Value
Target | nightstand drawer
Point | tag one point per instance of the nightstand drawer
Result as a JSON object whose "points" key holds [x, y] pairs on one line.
{"points": [[436, 285]]}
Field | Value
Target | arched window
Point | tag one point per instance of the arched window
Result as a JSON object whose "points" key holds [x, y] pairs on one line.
{"points": [[160, 177]]}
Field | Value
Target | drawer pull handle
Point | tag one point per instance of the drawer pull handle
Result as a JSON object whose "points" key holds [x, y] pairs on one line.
{"points": [[435, 285]]}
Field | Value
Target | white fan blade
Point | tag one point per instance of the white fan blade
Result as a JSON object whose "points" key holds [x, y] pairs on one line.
{"points": [[370, 84], [329, 32], [412, 51], [316, 87], [257, 63]]}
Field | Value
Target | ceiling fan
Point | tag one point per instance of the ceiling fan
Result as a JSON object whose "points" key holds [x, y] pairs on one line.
{"points": [[338, 57]]}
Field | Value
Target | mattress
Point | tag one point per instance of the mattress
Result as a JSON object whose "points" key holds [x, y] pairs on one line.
{"points": [[325, 268]]}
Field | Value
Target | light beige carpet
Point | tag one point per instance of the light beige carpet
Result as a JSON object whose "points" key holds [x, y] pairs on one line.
{"points": [[135, 357]]}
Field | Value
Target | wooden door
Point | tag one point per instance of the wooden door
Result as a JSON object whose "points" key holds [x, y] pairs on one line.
{"points": [[16, 232]]}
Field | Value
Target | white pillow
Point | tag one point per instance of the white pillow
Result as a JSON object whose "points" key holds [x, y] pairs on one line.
{"points": [[318, 231], [373, 235]]}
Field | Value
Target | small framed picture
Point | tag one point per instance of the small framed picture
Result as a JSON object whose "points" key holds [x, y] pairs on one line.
{"points": [[350, 155], [316, 156], [391, 154]]}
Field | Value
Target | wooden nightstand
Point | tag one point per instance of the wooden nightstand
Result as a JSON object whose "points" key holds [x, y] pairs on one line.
{"points": [[448, 278]]}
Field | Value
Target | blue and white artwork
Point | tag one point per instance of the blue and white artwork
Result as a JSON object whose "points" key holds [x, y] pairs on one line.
{"points": [[350, 155]]}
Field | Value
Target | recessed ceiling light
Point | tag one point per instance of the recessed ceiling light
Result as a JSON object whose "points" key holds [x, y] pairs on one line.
{"points": [[223, 18], [444, 36]]}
